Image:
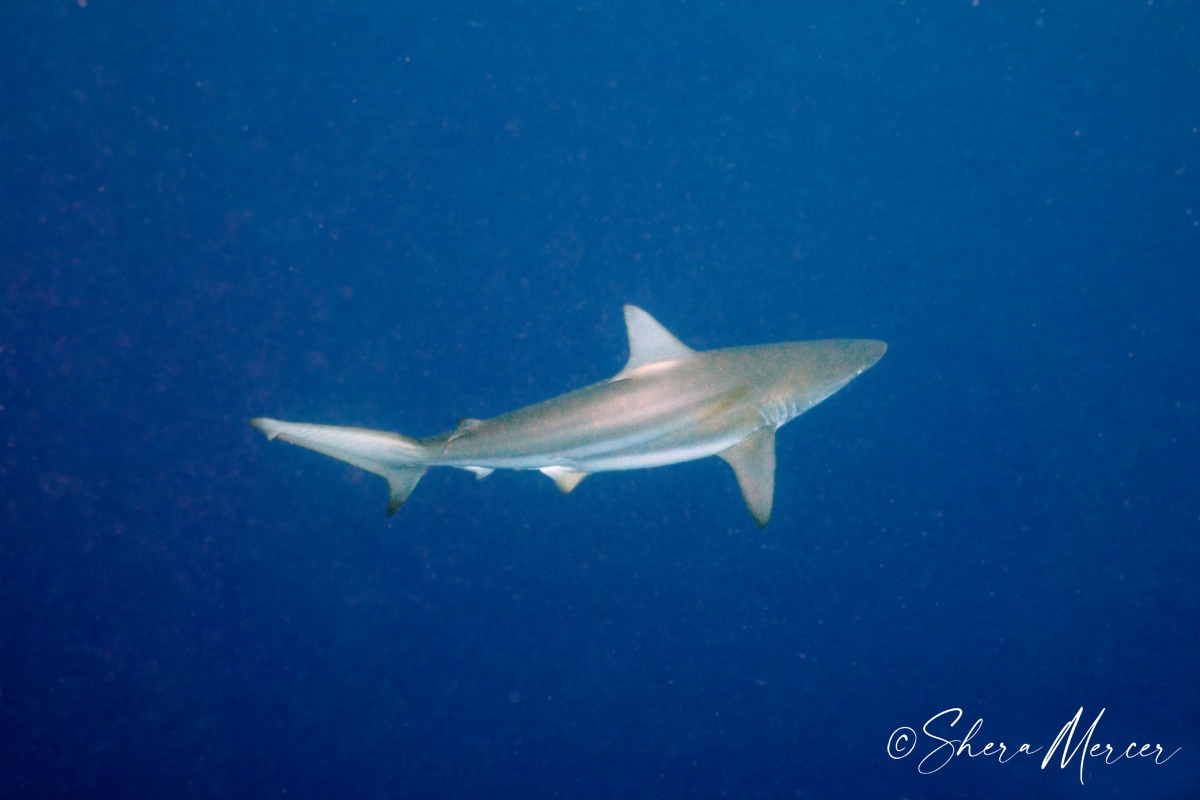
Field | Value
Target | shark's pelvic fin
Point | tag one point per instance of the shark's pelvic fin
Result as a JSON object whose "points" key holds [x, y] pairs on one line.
{"points": [[565, 477], [753, 461], [649, 342]]}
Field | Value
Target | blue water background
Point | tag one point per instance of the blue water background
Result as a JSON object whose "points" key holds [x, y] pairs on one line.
{"points": [[396, 214]]}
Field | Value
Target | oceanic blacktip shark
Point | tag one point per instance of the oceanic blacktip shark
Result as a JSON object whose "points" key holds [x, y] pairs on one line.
{"points": [[669, 404]]}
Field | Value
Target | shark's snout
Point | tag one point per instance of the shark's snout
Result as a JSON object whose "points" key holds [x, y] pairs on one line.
{"points": [[870, 351]]}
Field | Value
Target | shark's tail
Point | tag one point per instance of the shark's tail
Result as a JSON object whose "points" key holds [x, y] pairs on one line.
{"points": [[399, 459]]}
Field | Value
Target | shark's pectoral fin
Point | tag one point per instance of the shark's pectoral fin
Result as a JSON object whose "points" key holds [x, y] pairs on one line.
{"points": [[753, 461], [401, 482], [565, 477]]}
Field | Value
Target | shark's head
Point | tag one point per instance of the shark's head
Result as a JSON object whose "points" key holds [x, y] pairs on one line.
{"points": [[805, 373]]}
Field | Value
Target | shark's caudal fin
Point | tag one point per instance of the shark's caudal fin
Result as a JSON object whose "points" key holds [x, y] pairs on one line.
{"points": [[402, 461]]}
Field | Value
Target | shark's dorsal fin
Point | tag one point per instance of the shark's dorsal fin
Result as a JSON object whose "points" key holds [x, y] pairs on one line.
{"points": [[753, 461], [649, 342]]}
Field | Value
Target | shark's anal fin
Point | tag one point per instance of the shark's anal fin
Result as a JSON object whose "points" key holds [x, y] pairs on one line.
{"points": [[753, 461], [565, 477], [480, 472]]}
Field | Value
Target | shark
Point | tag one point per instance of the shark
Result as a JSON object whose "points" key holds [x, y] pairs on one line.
{"points": [[668, 405]]}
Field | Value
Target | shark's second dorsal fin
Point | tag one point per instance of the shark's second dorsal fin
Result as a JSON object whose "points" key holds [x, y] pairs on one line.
{"points": [[649, 342], [465, 426]]}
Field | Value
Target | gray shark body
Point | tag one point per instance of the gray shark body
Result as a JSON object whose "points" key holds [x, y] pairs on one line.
{"points": [[668, 405]]}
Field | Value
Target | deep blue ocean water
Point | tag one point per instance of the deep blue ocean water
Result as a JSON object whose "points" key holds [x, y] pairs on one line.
{"points": [[396, 214]]}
